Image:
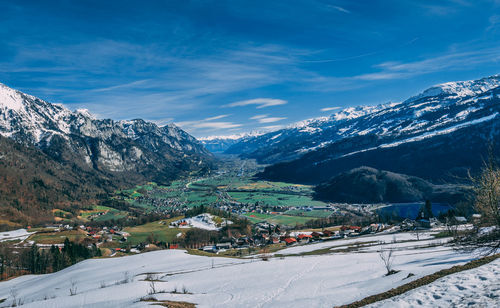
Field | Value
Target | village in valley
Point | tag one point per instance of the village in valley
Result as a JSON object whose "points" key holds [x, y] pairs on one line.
{"points": [[228, 214]]}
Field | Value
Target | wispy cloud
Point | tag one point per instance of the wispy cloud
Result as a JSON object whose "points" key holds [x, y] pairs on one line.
{"points": [[494, 22], [339, 8], [271, 127], [451, 61], [209, 123], [127, 85], [217, 117], [271, 119], [329, 109], [260, 102], [265, 118], [259, 116], [216, 125]]}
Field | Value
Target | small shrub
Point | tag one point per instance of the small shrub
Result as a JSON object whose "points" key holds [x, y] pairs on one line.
{"points": [[151, 277], [148, 299], [152, 288], [73, 288], [387, 257]]}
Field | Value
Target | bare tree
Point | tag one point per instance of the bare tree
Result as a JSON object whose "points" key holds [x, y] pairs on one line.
{"points": [[416, 232], [152, 287], [387, 257], [73, 288], [13, 294], [486, 235]]}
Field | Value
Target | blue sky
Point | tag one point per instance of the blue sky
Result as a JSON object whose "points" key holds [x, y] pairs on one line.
{"points": [[225, 67]]}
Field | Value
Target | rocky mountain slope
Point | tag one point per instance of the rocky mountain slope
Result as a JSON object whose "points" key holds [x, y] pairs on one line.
{"points": [[32, 183], [101, 144], [436, 135], [52, 157]]}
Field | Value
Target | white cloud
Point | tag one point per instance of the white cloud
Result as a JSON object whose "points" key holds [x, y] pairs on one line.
{"points": [[340, 9], [260, 102], [270, 120], [216, 117], [329, 109], [265, 118], [216, 125], [259, 116], [208, 124], [271, 127], [451, 61]]}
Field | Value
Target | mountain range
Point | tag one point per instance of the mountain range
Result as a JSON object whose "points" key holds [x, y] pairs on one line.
{"points": [[75, 146], [438, 135]]}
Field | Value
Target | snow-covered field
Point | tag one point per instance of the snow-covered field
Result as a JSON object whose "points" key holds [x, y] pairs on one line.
{"points": [[19, 234], [316, 281], [203, 221], [479, 287], [401, 239]]}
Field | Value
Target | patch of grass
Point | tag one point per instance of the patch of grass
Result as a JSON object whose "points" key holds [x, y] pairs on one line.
{"points": [[277, 219], [421, 282], [160, 230], [174, 304], [231, 253], [274, 199], [102, 213], [57, 237], [335, 249], [313, 213]]}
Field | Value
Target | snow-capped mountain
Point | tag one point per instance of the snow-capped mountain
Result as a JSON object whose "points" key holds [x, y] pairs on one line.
{"points": [[436, 118], [101, 144], [439, 110], [298, 138], [219, 144]]}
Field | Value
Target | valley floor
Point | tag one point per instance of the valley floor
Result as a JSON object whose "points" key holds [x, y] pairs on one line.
{"points": [[322, 279]]}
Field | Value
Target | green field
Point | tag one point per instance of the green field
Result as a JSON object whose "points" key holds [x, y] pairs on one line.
{"points": [[160, 230], [316, 214], [277, 219], [247, 183], [274, 199], [207, 191], [57, 237], [108, 213]]}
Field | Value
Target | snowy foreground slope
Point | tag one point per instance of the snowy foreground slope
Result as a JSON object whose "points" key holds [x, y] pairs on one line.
{"points": [[323, 280], [479, 287]]}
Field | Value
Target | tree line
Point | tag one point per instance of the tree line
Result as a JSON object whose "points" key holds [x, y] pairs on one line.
{"points": [[33, 260]]}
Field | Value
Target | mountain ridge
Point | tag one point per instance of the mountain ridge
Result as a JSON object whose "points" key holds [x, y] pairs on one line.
{"points": [[412, 116], [105, 144], [72, 159]]}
